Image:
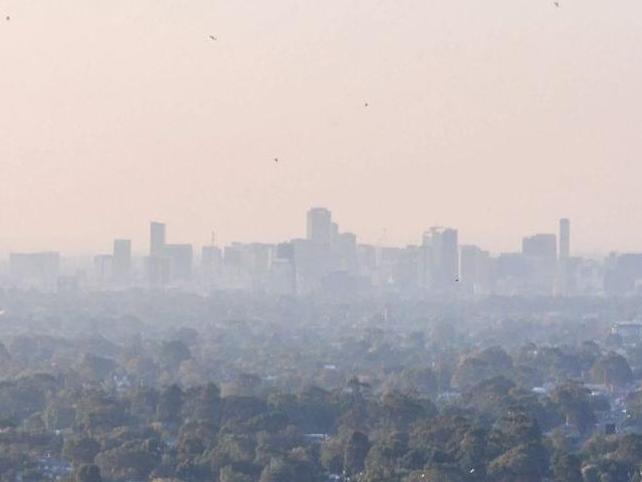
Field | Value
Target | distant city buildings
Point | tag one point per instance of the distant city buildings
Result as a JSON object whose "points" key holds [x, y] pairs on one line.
{"points": [[35, 270], [566, 265], [122, 261], [333, 262], [320, 227], [210, 267], [156, 239], [103, 269], [540, 256], [475, 271], [441, 260], [181, 259], [157, 265], [167, 263], [565, 238]]}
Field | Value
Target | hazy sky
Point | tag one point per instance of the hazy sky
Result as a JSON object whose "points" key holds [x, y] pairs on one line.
{"points": [[493, 116]]}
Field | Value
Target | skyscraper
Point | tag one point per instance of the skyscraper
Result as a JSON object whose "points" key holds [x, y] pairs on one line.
{"points": [[540, 246], [319, 226], [474, 266], [122, 260], [565, 238], [156, 239], [540, 254], [441, 258], [564, 263]]}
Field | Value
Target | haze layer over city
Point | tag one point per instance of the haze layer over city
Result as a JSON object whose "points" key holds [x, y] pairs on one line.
{"points": [[497, 118], [330, 260], [338, 241]]}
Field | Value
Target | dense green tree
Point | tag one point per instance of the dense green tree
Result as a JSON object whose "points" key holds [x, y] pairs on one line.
{"points": [[332, 455], [526, 462], [278, 470], [203, 403], [94, 368], [228, 474], [88, 473], [236, 409], [132, 460], [436, 474], [173, 353], [480, 366], [170, 403], [98, 411], [399, 411], [566, 468], [574, 403], [518, 427], [612, 369], [356, 450], [81, 449], [381, 461]]}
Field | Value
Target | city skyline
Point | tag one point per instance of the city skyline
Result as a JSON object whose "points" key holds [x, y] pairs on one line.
{"points": [[495, 117], [331, 260], [155, 235]]}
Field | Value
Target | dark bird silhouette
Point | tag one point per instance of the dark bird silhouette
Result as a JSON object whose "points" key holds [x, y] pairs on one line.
{"points": [[276, 159], [212, 37], [557, 4], [7, 18], [365, 105]]}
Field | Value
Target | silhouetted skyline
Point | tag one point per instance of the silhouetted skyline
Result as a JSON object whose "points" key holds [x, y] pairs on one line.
{"points": [[494, 117]]}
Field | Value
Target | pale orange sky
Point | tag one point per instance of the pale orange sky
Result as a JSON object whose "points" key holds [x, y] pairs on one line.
{"points": [[496, 117]]}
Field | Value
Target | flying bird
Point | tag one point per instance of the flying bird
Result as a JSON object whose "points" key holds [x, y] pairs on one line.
{"points": [[276, 159], [365, 105], [7, 18], [557, 4], [212, 37]]}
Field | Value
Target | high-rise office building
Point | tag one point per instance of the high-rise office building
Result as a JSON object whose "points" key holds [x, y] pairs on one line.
{"points": [[122, 260], [564, 268], [314, 258], [345, 252], [306, 265], [565, 238], [540, 245], [319, 226], [334, 232], [156, 239], [540, 254], [441, 259], [282, 274], [474, 270]]}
